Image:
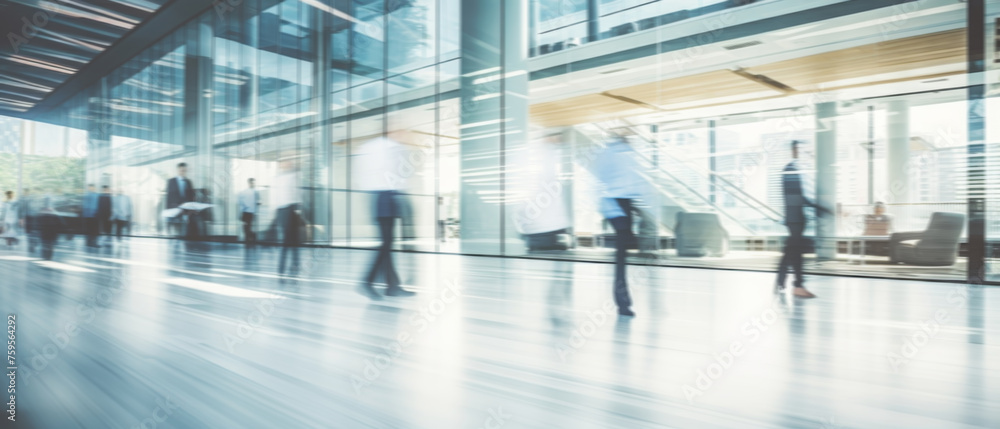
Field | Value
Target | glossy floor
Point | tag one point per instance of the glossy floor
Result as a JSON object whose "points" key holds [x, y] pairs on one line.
{"points": [[153, 333]]}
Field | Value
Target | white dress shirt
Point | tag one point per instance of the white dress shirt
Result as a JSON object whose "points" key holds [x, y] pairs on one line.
{"points": [[121, 207], [181, 183], [382, 165], [286, 190], [248, 200]]}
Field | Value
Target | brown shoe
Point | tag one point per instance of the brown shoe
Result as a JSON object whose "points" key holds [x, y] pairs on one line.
{"points": [[801, 292]]}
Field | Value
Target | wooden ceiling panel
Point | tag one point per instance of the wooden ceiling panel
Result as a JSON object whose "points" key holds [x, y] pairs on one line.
{"points": [[582, 109], [715, 84], [893, 56], [806, 74]]}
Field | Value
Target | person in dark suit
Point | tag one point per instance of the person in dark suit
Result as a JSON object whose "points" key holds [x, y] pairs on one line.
{"points": [[104, 211], [180, 190], [49, 227], [795, 221], [288, 199], [29, 210]]}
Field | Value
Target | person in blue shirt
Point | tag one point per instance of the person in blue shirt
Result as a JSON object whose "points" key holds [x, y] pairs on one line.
{"points": [[617, 170], [89, 214]]}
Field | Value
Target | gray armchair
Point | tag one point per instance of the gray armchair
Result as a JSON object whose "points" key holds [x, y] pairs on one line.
{"points": [[700, 234], [936, 246]]}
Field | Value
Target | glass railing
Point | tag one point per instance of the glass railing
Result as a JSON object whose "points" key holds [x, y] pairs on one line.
{"points": [[561, 29], [676, 184]]}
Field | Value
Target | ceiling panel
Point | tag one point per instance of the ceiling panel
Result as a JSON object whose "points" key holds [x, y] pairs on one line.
{"points": [[914, 58], [49, 41]]}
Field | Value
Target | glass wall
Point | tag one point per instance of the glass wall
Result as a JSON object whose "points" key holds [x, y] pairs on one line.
{"points": [[493, 141]]}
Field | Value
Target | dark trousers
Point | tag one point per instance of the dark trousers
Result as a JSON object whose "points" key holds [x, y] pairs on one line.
{"points": [[48, 244], [289, 221], [119, 226], [31, 230], [194, 223], [623, 240], [104, 227], [792, 257], [383, 261], [92, 227], [248, 234]]}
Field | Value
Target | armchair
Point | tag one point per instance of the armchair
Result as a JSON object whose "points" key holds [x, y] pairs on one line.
{"points": [[935, 246]]}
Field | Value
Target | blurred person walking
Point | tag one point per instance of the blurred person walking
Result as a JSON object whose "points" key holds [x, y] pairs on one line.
{"points": [[121, 213], [49, 225], [795, 220], [10, 218], [104, 212], [89, 214], [249, 201], [617, 170], [382, 170], [288, 200], [29, 209], [180, 190]]}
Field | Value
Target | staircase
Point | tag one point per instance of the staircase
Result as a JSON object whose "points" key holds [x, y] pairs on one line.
{"points": [[749, 217]]}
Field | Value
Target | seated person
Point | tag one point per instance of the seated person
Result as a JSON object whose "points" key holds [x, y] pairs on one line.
{"points": [[879, 223]]}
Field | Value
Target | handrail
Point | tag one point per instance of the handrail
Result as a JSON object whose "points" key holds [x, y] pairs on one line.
{"points": [[734, 189], [676, 180]]}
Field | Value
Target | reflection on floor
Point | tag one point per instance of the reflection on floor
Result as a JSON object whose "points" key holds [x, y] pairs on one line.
{"points": [[157, 333], [869, 266]]}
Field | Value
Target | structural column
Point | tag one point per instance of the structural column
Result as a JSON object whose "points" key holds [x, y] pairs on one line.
{"points": [[898, 151], [593, 20], [98, 133], [826, 179], [494, 120], [319, 174], [976, 57], [198, 73]]}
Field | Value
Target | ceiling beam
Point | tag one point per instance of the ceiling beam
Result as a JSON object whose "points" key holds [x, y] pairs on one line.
{"points": [[164, 22]]}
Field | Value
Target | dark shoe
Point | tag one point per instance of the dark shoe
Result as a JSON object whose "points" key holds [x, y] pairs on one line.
{"points": [[801, 292], [625, 311], [398, 291], [369, 291]]}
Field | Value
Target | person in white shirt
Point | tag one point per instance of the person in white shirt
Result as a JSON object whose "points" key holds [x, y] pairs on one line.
{"points": [[384, 170], [121, 213], [249, 200]]}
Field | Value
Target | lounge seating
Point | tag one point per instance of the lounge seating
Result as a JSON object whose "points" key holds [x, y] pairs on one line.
{"points": [[700, 234], [936, 246]]}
